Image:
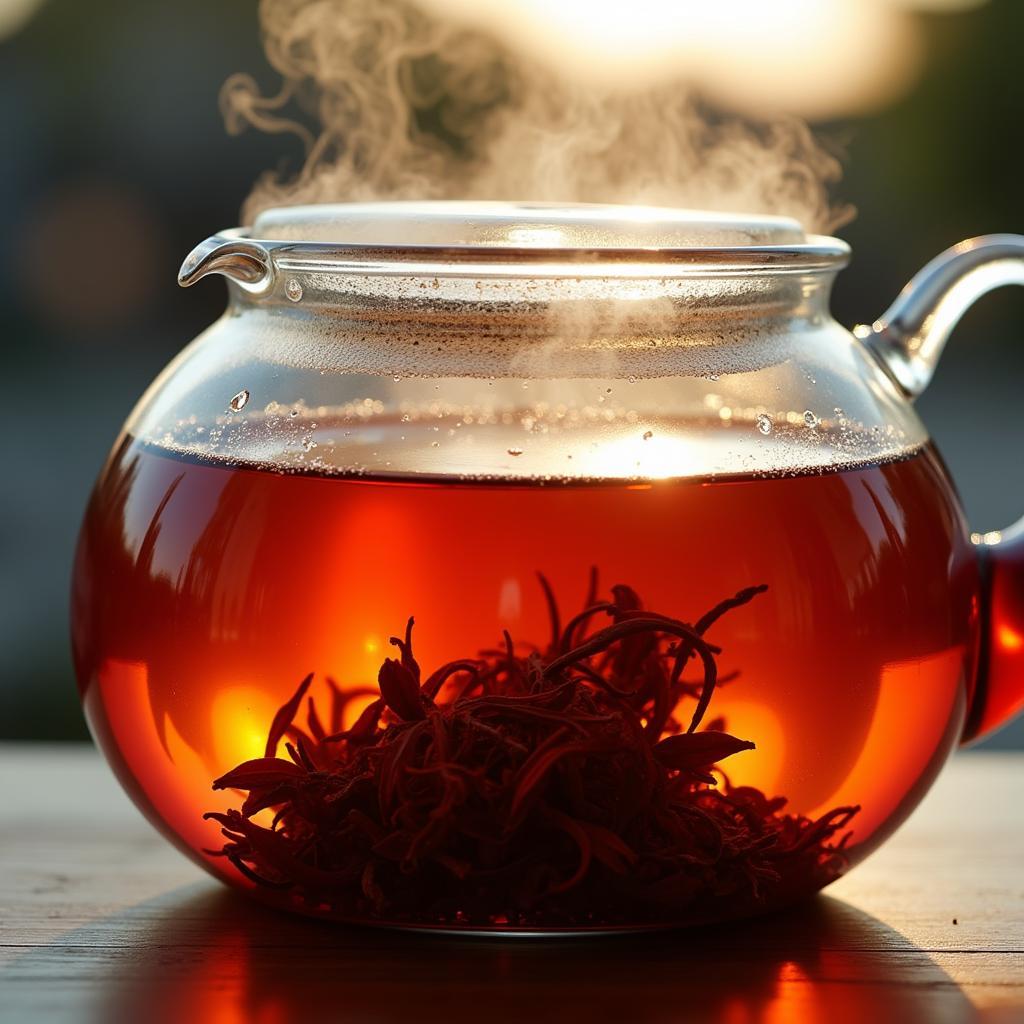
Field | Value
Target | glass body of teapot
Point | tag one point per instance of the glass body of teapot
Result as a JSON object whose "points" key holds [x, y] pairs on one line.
{"points": [[697, 614]]}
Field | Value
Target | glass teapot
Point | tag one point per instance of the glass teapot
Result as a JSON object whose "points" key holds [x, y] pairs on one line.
{"points": [[530, 569]]}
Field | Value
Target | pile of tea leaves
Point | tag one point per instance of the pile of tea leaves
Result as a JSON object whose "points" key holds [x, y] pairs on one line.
{"points": [[527, 788]]}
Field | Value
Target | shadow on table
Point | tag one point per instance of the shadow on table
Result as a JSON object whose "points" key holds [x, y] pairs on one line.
{"points": [[204, 955]]}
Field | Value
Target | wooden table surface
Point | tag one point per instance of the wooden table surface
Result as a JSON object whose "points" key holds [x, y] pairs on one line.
{"points": [[101, 921]]}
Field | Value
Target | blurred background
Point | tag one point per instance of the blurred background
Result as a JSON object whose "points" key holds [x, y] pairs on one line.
{"points": [[115, 162]]}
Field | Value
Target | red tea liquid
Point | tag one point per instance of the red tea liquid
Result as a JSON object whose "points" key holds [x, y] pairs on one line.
{"points": [[204, 592]]}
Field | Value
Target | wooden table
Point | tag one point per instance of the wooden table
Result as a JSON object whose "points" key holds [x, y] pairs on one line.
{"points": [[103, 922]]}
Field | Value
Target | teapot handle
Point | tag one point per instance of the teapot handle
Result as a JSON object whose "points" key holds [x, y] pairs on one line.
{"points": [[908, 340]]}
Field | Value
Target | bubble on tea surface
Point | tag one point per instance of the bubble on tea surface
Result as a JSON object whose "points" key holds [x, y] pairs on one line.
{"points": [[238, 402]]}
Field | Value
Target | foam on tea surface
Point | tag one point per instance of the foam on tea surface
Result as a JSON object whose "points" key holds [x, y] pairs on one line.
{"points": [[752, 404], [592, 444]]}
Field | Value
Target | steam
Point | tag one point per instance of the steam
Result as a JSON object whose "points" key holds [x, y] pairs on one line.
{"points": [[392, 102]]}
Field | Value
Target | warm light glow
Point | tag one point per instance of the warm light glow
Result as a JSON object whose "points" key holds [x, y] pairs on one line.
{"points": [[814, 58], [658, 457], [761, 766], [1009, 639], [795, 999], [240, 718]]}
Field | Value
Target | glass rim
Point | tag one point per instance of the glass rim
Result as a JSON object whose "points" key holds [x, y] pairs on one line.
{"points": [[254, 262]]}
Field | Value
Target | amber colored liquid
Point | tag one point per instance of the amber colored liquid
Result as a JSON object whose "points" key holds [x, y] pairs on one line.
{"points": [[204, 593]]}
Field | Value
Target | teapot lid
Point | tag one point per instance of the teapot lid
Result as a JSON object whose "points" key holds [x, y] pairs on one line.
{"points": [[508, 225], [504, 240]]}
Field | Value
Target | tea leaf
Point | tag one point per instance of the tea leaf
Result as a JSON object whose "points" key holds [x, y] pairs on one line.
{"points": [[689, 751], [552, 788]]}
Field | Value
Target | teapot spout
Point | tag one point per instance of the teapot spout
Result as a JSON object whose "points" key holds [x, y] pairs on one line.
{"points": [[246, 263], [909, 337]]}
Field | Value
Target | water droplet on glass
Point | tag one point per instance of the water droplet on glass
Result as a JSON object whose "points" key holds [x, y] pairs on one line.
{"points": [[239, 401], [515, 451], [293, 290], [294, 412], [648, 434], [838, 411], [810, 419], [764, 423]]}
